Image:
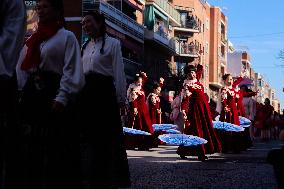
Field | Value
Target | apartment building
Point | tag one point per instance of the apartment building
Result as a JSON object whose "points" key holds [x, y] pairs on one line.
{"points": [[160, 17], [218, 50], [125, 22], [239, 62]]}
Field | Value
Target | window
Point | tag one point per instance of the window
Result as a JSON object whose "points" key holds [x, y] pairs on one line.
{"points": [[206, 70], [259, 83], [222, 70], [207, 47], [207, 23], [183, 16], [219, 27]]}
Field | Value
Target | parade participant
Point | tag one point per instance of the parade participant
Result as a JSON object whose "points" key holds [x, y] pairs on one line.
{"points": [[153, 101], [241, 93], [199, 116], [249, 107], [106, 164], [12, 31], [248, 102], [177, 115], [49, 74], [229, 113], [267, 110], [139, 117], [258, 120]]}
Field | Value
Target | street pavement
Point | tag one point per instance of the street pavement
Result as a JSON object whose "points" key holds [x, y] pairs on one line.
{"points": [[161, 168]]}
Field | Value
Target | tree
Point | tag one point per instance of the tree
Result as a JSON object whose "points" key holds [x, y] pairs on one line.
{"points": [[281, 54]]}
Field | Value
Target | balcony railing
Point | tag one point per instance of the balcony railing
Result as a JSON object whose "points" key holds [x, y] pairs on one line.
{"points": [[185, 49], [168, 8], [162, 31], [190, 22], [159, 34], [116, 17]]}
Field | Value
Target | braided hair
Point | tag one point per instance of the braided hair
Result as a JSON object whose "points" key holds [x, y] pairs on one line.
{"points": [[99, 18]]}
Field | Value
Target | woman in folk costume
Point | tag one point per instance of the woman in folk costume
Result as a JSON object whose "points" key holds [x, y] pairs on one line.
{"points": [[49, 74], [240, 94], [106, 164], [199, 116], [139, 117], [153, 101], [229, 96], [267, 120]]}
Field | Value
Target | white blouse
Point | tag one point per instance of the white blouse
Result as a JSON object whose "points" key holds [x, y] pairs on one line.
{"points": [[110, 63], [59, 54]]}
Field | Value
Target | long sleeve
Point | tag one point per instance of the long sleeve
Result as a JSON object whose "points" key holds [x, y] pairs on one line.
{"points": [[22, 75], [118, 73], [237, 81], [224, 97], [185, 104], [249, 94], [199, 72], [13, 29], [134, 103], [72, 80]]}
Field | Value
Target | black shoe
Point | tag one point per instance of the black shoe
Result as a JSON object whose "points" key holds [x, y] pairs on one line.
{"points": [[202, 158]]}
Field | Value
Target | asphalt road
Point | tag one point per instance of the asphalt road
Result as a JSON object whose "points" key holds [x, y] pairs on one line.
{"points": [[161, 168]]}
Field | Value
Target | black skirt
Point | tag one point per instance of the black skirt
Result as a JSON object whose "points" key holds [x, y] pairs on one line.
{"points": [[51, 139], [104, 160]]}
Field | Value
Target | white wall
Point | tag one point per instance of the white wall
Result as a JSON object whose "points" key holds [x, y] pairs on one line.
{"points": [[234, 63]]}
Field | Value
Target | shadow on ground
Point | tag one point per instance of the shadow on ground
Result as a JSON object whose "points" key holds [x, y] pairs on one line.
{"points": [[162, 168]]}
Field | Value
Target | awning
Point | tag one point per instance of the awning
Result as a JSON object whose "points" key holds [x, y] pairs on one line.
{"points": [[164, 17]]}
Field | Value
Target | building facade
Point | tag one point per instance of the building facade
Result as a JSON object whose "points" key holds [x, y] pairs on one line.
{"points": [[218, 50], [239, 63]]}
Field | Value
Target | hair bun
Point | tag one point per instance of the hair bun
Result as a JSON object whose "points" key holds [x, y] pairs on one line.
{"points": [[224, 77]]}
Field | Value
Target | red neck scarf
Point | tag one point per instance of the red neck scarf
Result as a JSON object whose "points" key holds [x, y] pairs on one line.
{"points": [[44, 32]]}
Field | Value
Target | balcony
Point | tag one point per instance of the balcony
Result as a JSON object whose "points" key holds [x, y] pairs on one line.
{"points": [[167, 9], [160, 35], [186, 50], [218, 82], [116, 19], [188, 24]]}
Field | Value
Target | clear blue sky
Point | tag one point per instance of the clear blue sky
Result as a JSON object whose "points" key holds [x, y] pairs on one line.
{"points": [[249, 23]]}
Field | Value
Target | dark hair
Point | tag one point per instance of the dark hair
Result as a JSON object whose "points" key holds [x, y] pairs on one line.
{"points": [[187, 69], [267, 99], [137, 76], [100, 18], [245, 87], [224, 77], [156, 85], [59, 6]]}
